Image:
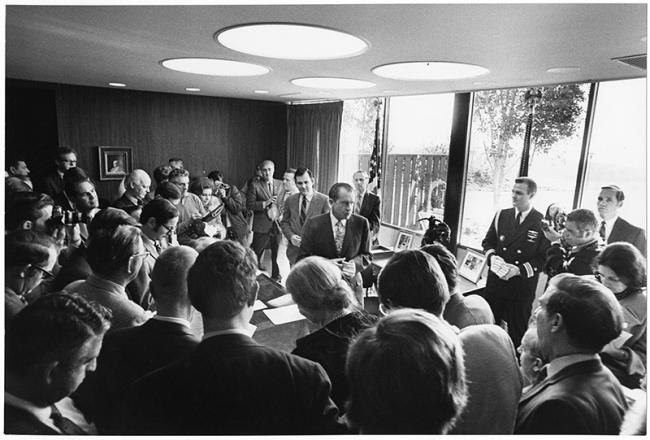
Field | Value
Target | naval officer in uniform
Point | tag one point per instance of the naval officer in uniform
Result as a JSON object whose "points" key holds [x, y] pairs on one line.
{"points": [[515, 247]]}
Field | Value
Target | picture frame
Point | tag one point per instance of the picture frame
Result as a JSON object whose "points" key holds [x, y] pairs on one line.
{"points": [[115, 162], [403, 242], [472, 266]]}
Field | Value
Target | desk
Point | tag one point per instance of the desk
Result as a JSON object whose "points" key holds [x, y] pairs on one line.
{"points": [[465, 286]]}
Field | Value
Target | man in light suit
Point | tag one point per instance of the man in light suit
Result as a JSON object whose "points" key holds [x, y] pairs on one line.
{"points": [[298, 208], [366, 204], [339, 234], [612, 227], [231, 385], [576, 318], [262, 198], [413, 278]]}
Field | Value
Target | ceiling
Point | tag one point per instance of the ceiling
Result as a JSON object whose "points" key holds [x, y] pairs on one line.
{"points": [[95, 45]]}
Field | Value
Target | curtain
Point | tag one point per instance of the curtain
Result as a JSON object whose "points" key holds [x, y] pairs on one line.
{"points": [[313, 140]]}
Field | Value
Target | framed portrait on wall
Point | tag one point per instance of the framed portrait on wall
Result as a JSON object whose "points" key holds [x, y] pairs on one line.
{"points": [[472, 266], [403, 242], [115, 162]]}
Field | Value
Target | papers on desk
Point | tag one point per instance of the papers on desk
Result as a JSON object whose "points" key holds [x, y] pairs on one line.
{"points": [[259, 305], [282, 315]]}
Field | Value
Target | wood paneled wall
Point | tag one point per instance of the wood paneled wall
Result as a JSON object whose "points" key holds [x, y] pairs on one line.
{"points": [[231, 135]]}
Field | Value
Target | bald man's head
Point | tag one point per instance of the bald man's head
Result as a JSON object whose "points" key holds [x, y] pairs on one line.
{"points": [[169, 276], [137, 184], [267, 169]]}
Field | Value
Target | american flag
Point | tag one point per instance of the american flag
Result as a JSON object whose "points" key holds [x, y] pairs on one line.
{"points": [[375, 159]]}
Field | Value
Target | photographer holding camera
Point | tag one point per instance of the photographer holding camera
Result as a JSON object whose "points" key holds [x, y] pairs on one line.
{"points": [[236, 214]]}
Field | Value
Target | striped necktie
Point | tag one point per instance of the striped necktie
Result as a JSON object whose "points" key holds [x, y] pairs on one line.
{"points": [[65, 425], [603, 231], [303, 210]]}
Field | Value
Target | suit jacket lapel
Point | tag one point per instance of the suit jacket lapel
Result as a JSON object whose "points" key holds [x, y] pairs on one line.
{"points": [[348, 237], [577, 368], [330, 235]]}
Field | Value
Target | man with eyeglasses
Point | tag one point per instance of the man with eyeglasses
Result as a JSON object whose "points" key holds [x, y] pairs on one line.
{"points": [[52, 183], [159, 219], [115, 256], [190, 207]]}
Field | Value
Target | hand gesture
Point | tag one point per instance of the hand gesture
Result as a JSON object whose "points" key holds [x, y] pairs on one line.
{"points": [[296, 240]]}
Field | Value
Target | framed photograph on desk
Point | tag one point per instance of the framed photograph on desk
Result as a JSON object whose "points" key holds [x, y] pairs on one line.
{"points": [[472, 266], [403, 242]]}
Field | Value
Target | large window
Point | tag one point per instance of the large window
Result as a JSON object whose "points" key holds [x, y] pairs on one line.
{"points": [[357, 136], [497, 137], [617, 153], [415, 174]]}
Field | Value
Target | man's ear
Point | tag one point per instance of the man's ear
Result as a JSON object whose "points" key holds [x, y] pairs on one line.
{"points": [[12, 170], [557, 323], [331, 202], [252, 299], [151, 222], [50, 370], [26, 225]]}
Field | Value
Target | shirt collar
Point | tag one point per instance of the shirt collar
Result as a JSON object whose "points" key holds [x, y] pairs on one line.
{"points": [[42, 414], [308, 196], [334, 221], [524, 213], [610, 223], [560, 363], [104, 284], [131, 199], [248, 331], [184, 322]]}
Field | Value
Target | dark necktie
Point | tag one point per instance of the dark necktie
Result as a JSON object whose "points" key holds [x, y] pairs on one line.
{"points": [[602, 230], [518, 218], [65, 425], [303, 210]]}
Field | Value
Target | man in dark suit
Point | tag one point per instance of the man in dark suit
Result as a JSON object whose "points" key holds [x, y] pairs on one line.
{"points": [[261, 198], [300, 207], [339, 233], [612, 227], [366, 203], [231, 385], [515, 247], [414, 279], [576, 318], [130, 353], [49, 347], [137, 184], [52, 183]]}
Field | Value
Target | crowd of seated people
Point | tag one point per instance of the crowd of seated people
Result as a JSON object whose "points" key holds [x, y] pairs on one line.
{"points": [[101, 302]]}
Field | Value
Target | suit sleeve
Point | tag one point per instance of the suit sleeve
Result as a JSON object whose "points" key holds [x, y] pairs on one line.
{"points": [[285, 224], [234, 201], [251, 199], [640, 241], [555, 417], [322, 413], [363, 258], [534, 265], [375, 216], [307, 243]]}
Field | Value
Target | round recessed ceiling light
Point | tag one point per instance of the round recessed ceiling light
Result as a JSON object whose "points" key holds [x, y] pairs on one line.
{"points": [[214, 67], [291, 41], [261, 92], [429, 71], [117, 84], [192, 89], [332, 83], [564, 69]]}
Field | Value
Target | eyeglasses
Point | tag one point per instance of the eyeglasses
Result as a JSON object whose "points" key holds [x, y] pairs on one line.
{"points": [[44, 272], [169, 230], [600, 277], [138, 255]]}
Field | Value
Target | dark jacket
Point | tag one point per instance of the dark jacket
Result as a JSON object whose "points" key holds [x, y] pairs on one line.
{"points": [[370, 209], [583, 398], [128, 354], [231, 385], [624, 231], [329, 346], [576, 261]]}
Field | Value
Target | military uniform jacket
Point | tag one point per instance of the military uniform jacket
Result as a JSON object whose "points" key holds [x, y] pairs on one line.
{"points": [[524, 246]]}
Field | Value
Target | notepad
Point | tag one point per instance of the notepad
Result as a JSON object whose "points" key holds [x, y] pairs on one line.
{"points": [[282, 315]]}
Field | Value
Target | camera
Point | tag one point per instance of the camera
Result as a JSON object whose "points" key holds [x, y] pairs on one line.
{"points": [[62, 216], [220, 185]]}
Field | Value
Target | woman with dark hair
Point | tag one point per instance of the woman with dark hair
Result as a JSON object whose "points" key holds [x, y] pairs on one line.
{"points": [[327, 301], [29, 259], [204, 188], [621, 268]]}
